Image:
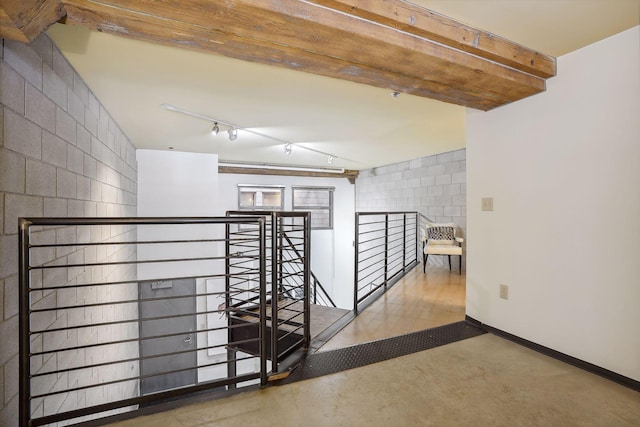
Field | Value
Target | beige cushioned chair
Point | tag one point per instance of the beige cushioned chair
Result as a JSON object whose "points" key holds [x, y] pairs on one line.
{"points": [[440, 239]]}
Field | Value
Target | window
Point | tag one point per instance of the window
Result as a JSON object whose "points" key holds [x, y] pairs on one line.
{"points": [[318, 201], [260, 197]]}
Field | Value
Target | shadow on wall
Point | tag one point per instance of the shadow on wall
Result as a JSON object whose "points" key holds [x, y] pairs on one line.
{"points": [[62, 155]]}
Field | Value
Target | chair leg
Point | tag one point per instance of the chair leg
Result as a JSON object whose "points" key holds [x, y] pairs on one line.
{"points": [[424, 262], [460, 266], [449, 262]]}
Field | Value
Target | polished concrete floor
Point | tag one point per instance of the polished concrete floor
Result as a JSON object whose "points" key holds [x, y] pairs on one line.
{"points": [[418, 301], [481, 381]]}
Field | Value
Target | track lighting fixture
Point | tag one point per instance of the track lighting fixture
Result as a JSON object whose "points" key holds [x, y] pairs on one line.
{"points": [[232, 131]]}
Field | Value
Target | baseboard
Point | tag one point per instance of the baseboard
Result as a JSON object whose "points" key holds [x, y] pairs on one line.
{"points": [[589, 367]]}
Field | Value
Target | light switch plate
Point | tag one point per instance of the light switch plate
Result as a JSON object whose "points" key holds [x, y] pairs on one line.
{"points": [[504, 291], [487, 203]]}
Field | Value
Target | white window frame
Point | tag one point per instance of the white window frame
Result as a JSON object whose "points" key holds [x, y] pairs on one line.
{"points": [[259, 189]]}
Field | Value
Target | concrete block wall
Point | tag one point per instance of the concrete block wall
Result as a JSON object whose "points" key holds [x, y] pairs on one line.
{"points": [[435, 186], [61, 155]]}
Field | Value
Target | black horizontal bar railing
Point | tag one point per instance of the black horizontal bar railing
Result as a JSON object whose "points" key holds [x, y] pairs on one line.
{"points": [[87, 349], [385, 249], [288, 280], [318, 293]]}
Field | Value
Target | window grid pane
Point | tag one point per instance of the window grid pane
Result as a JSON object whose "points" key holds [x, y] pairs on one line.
{"points": [[271, 198], [320, 218], [318, 201]]}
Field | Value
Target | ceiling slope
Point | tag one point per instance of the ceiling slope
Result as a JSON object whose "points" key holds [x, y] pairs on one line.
{"points": [[390, 44]]}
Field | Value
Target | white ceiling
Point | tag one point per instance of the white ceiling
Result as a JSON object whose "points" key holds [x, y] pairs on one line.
{"points": [[361, 126]]}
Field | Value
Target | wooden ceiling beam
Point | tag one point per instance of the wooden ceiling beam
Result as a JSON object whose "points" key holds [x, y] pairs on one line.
{"points": [[313, 38], [152, 29], [426, 23], [24, 20], [365, 41], [351, 175]]}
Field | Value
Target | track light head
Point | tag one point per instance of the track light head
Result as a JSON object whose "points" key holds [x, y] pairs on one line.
{"points": [[287, 149], [215, 129], [233, 134]]}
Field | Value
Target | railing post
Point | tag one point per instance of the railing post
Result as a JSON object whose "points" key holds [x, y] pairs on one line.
{"points": [[404, 242], [263, 301], [275, 267], [24, 344], [280, 269], [355, 262], [386, 250], [415, 243], [231, 354], [307, 276]]}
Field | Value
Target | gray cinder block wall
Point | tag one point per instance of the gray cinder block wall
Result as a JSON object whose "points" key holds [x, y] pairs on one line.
{"points": [[61, 155], [435, 186]]}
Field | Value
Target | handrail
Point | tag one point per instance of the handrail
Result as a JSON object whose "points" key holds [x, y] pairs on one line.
{"points": [[423, 219], [316, 282]]}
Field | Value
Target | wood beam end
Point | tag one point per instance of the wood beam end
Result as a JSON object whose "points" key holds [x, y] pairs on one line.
{"points": [[25, 20]]}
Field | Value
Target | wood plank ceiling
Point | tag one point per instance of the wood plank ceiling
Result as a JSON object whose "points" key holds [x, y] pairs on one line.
{"points": [[391, 44]]}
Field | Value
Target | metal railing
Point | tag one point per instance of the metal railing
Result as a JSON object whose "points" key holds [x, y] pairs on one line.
{"points": [[386, 247], [117, 313], [317, 292], [287, 265], [423, 223]]}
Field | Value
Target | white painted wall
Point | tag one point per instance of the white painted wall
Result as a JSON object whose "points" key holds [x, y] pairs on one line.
{"points": [[332, 250], [563, 168], [173, 183]]}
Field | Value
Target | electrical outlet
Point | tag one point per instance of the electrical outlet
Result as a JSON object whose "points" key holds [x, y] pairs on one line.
{"points": [[504, 291]]}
